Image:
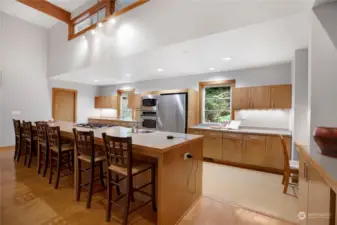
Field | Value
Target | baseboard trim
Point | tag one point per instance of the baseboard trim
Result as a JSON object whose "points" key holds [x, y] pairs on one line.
{"points": [[7, 148], [245, 166]]}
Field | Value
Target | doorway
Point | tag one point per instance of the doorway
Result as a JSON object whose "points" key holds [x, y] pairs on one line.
{"points": [[64, 104]]}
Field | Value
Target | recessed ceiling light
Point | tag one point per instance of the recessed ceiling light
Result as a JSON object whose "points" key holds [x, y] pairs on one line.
{"points": [[160, 70], [227, 59], [112, 20], [96, 81], [211, 69], [100, 24], [93, 32], [128, 75]]}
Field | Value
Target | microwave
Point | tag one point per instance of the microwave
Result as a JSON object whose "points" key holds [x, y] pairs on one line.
{"points": [[149, 102]]}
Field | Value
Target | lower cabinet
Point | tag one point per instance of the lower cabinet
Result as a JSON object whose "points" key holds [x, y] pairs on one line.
{"points": [[232, 147], [254, 150], [314, 195], [213, 144], [263, 151]]}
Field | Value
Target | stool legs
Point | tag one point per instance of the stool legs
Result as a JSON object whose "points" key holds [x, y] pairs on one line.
{"points": [[91, 184], [58, 171], [79, 180], [108, 209], [153, 187], [46, 162]]}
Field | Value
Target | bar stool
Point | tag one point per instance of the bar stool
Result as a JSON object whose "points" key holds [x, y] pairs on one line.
{"points": [[61, 156], [42, 147], [18, 139], [291, 168], [86, 152], [30, 141], [119, 159]]}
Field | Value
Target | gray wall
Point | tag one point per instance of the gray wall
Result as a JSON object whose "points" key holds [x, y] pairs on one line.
{"points": [[267, 75]]}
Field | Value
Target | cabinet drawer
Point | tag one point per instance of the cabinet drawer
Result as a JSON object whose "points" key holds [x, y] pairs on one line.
{"points": [[232, 136], [198, 132], [213, 134], [254, 137]]}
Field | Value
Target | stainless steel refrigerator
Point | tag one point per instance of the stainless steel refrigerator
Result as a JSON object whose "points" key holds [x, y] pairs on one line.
{"points": [[171, 113]]}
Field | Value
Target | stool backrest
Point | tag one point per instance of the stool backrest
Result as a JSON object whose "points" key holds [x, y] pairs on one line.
{"points": [[84, 141], [17, 127], [27, 129], [41, 128], [54, 138], [285, 153], [118, 151]]}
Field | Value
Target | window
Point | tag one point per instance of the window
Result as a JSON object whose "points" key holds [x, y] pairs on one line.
{"points": [[217, 104], [125, 112]]}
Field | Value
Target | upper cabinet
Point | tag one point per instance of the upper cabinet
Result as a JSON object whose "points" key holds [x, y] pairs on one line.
{"points": [[264, 97], [106, 102], [280, 97], [134, 101]]}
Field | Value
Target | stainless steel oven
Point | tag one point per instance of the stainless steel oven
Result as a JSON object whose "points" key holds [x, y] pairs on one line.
{"points": [[149, 103]]}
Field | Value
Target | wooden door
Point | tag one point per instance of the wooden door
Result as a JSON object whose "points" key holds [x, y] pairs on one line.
{"points": [[232, 147], [213, 145], [254, 150], [260, 97], [240, 98], [274, 153], [280, 96], [64, 104]]}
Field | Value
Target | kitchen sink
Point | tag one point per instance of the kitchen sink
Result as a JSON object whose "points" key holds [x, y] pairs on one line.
{"points": [[139, 131]]}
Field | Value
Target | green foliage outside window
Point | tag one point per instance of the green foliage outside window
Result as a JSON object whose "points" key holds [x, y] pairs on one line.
{"points": [[217, 104]]}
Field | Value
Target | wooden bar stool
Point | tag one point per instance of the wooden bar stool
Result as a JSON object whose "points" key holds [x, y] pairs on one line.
{"points": [[42, 147], [61, 156], [86, 152], [291, 167], [120, 161], [18, 139], [30, 141]]}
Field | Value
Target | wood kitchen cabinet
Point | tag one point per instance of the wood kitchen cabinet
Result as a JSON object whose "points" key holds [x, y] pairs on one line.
{"points": [[260, 97], [240, 98], [213, 144], [280, 96], [134, 101], [274, 157], [254, 150], [106, 102], [232, 147]]}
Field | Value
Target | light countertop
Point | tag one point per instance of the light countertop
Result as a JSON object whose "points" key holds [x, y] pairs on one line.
{"points": [[326, 166], [156, 140], [112, 119], [267, 131]]}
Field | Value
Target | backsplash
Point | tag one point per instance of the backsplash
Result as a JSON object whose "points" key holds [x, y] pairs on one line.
{"points": [[264, 118], [107, 113]]}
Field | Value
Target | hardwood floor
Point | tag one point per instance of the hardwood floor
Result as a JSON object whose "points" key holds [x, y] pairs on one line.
{"points": [[28, 199]]}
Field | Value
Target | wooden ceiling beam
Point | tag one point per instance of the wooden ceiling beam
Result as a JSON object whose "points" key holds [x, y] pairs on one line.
{"points": [[49, 9]]}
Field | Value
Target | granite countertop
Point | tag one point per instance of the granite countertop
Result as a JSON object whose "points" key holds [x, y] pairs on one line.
{"points": [[156, 140], [326, 166], [249, 130], [113, 119]]}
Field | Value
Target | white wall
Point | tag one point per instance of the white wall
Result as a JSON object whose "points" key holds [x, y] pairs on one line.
{"points": [[268, 75], [25, 87], [323, 67], [300, 78], [150, 26]]}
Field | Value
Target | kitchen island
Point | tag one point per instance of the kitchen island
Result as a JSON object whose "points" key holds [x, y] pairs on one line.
{"points": [[179, 181]]}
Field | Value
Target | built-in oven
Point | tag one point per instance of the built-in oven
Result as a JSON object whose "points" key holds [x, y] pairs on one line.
{"points": [[149, 103], [149, 122]]}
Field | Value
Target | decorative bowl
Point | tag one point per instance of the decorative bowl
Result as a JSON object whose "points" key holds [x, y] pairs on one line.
{"points": [[326, 139]]}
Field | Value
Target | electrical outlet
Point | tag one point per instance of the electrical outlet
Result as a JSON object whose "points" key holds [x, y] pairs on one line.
{"points": [[187, 156]]}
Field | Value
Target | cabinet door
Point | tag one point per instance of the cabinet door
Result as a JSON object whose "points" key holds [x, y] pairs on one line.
{"points": [[197, 132], [254, 150], [281, 96], [232, 147], [134, 101], [213, 145], [240, 98], [260, 97], [318, 198], [274, 153]]}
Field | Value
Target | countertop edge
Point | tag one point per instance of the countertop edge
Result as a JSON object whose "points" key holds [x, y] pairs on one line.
{"points": [[331, 182], [241, 132], [113, 119]]}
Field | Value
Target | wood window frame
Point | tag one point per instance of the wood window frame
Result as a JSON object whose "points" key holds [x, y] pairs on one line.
{"points": [[204, 84], [119, 94], [109, 6], [54, 90]]}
